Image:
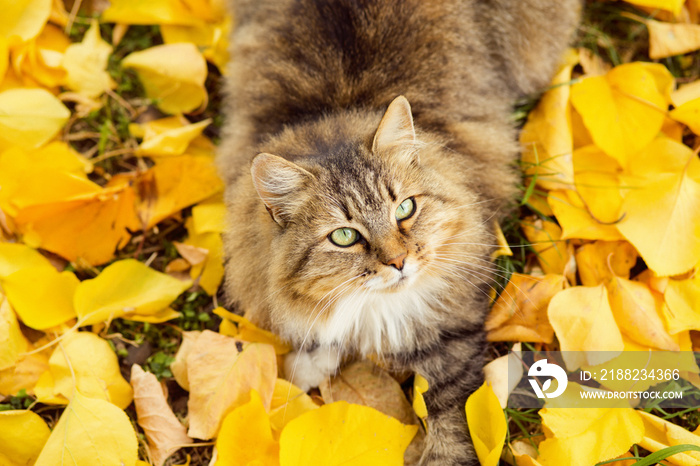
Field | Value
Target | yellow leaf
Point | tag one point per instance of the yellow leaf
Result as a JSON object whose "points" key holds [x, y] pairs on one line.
{"points": [[164, 432], [623, 110], [179, 182], [667, 39], [576, 221], [83, 221], [208, 218], [91, 431], [248, 331], [586, 436], [674, 6], [598, 184], [22, 436], [86, 64], [246, 437], [686, 93], [553, 254], [666, 194], [288, 402], [14, 257], [24, 18], [599, 262], [38, 62], [341, 433], [636, 312], [659, 434], [125, 287], [173, 75], [420, 386], [584, 324], [503, 247], [547, 138], [30, 117], [520, 313], [25, 373], [153, 12], [683, 301], [211, 38], [496, 374], [487, 425], [46, 305], [171, 137], [201, 227], [83, 362], [688, 114], [12, 341], [221, 372]]}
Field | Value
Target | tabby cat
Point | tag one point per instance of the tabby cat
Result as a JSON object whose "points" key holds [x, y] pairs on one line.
{"points": [[367, 153]]}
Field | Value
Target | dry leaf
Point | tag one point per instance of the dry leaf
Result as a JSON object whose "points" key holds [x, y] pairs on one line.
{"points": [[221, 372], [497, 376], [597, 179], [520, 313], [163, 430], [667, 39], [683, 301], [30, 117], [340, 433], [576, 221], [688, 114], [12, 341], [22, 436], [554, 255], [169, 136], [25, 373], [487, 425], [91, 429], [14, 257], [179, 366], [288, 402], [152, 12], [24, 18], [660, 434], [599, 262], [246, 330], [86, 64]]}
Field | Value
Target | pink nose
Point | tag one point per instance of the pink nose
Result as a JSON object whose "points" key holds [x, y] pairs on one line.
{"points": [[398, 261]]}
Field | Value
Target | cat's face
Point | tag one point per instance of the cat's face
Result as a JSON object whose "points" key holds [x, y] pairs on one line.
{"points": [[367, 221]]}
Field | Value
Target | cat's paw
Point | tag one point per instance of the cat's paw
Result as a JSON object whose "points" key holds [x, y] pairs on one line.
{"points": [[307, 369]]}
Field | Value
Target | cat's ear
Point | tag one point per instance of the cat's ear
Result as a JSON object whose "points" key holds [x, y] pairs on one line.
{"points": [[276, 180], [396, 127]]}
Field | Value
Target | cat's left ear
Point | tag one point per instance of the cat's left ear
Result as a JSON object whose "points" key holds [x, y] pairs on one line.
{"points": [[396, 128]]}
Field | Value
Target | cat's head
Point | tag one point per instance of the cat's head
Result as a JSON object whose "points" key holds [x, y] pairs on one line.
{"points": [[369, 209]]}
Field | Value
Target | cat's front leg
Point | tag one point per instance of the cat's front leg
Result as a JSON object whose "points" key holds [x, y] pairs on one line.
{"points": [[307, 368], [453, 366]]}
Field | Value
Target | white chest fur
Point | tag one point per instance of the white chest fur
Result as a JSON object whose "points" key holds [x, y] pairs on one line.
{"points": [[377, 321]]}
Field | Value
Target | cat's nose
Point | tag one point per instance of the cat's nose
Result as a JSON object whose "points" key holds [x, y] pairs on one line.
{"points": [[398, 261]]}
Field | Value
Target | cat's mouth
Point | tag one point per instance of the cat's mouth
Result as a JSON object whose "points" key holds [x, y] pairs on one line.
{"points": [[393, 280]]}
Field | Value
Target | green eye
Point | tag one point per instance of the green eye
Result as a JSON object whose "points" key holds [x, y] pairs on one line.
{"points": [[405, 209], [344, 237]]}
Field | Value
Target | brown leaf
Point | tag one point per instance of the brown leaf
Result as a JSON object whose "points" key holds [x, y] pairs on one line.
{"points": [[222, 371], [163, 430], [520, 313], [366, 384]]}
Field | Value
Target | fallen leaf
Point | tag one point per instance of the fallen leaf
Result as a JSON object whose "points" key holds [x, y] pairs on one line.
{"points": [[45, 306], [85, 363], [179, 366], [666, 181], [685, 93], [636, 312], [487, 425], [91, 430], [154, 12], [340, 433], [660, 434], [24, 18], [597, 179], [547, 138], [504, 373], [246, 330], [86, 64], [674, 6], [125, 289], [173, 76], [576, 221], [288, 402], [30, 117], [16, 256], [210, 272], [683, 301], [25, 372], [221, 372], [22, 436], [12, 341], [600, 261], [38, 62], [584, 324], [582, 437], [668, 39], [169, 136], [246, 438], [553, 254], [211, 38], [520, 312], [623, 110], [688, 114], [164, 432]]}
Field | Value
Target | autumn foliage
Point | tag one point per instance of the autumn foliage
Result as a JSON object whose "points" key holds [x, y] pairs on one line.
{"points": [[119, 224]]}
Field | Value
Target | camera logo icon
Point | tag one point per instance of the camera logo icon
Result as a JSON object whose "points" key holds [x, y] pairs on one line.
{"points": [[544, 369]]}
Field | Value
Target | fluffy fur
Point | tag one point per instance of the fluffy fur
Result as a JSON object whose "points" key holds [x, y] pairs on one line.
{"points": [[317, 140]]}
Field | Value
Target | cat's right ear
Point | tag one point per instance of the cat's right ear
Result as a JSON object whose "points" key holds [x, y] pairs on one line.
{"points": [[396, 128], [276, 180]]}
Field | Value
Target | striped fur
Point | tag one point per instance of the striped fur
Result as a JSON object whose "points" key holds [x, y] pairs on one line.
{"points": [[313, 89]]}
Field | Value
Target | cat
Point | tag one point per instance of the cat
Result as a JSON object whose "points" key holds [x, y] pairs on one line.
{"points": [[368, 150]]}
